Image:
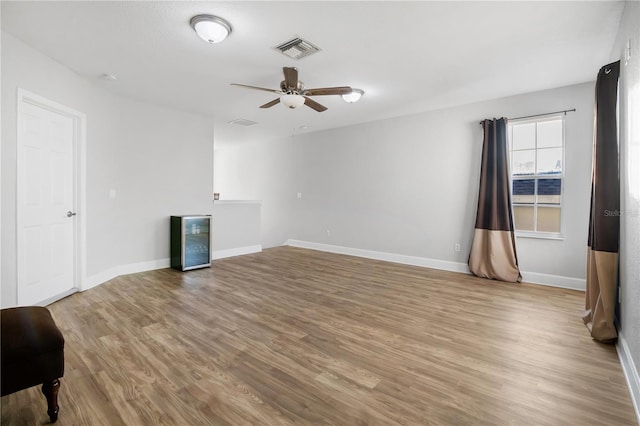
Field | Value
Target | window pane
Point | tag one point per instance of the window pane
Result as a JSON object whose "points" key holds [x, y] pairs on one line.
{"points": [[523, 191], [523, 162], [548, 219], [536, 160], [523, 217], [524, 136], [549, 191], [549, 161], [550, 134]]}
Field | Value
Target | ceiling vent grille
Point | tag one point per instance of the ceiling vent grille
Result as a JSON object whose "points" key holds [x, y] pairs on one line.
{"points": [[297, 48], [242, 122]]}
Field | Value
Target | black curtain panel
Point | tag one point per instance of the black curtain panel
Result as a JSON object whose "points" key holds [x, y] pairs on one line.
{"points": [[493, 251], [604, 220]]}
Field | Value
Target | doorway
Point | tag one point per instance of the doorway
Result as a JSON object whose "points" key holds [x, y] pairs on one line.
{"points": [[49, 141]]}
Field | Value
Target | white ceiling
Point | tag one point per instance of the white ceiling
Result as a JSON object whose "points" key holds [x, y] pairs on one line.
{"points": [[408, 57]]}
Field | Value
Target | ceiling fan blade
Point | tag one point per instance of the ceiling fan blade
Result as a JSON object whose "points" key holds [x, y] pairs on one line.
{"points": [[314, 105], [290, 77], [257, 88], [343, 90], [270, 104]]}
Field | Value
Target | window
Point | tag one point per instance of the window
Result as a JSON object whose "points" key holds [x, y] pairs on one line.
{"points": [[536, 150]]}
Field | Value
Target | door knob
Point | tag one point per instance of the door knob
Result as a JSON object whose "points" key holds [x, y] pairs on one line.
{"points": [[70, 213]]}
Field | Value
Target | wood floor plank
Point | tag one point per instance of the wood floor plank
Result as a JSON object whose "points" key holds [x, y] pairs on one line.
{"points": [[292, 337]]}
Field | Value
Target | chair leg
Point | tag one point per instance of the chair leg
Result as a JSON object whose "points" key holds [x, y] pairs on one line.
{"points": [[50, 391]]}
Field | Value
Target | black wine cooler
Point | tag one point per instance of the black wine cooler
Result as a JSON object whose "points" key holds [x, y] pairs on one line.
{"points": [[190, 242]]}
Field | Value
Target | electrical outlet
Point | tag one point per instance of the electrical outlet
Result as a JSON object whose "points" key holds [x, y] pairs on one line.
{"points": [[456, 247], [328, 233], [299, 195]]}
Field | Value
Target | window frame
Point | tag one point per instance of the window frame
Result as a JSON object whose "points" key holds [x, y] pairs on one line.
{"points": [[536, 177]]}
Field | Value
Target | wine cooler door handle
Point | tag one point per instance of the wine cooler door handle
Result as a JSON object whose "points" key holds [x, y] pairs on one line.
{"points": [[70, 213]]}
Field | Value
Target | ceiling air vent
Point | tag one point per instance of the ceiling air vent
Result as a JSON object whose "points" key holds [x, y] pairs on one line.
{"points": [[297, 48], [242, 122]]}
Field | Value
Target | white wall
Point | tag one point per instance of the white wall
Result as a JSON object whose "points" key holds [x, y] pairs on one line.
{"points": [[259, 170], [630, 190], [235, 228], [408, 186], [158, 160]]}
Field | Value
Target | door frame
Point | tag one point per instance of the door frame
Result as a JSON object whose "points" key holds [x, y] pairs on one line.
{"points": [[79, 185]]}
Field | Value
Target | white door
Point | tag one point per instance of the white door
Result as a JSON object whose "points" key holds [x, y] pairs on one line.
{"points": [[46, 205]]}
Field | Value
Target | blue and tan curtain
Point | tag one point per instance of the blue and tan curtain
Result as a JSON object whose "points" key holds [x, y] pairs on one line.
{"points": [[604, 220], [493, 251]]}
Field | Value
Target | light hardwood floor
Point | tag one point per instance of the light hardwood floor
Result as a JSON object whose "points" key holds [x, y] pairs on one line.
{"points": [[292, 336]]}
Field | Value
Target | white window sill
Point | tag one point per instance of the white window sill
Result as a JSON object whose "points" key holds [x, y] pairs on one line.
{"points": [[237, 202], [539, 235]]}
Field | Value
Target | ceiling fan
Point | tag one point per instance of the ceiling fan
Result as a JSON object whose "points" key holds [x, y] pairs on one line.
{"points": [[293, 93]]}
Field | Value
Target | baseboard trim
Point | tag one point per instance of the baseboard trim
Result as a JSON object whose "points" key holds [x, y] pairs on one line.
{"points": [[445, 265], [133, 268], [57, 297], [238, 251], [554, 280], [378, 255], [99, 278], [630, 371], [150, 265], [130, 268]]}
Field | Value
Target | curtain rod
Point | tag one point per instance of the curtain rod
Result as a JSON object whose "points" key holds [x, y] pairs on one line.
{"points": [[565, 111]]}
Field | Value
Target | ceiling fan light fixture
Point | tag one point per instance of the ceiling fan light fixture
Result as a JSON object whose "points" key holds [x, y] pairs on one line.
{"points": [[292, 101], [354, 96], [210, 28]]}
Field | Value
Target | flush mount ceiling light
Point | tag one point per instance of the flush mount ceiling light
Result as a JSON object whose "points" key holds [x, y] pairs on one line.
{"points": [[292, 101], [211, 29], [354, 96]]}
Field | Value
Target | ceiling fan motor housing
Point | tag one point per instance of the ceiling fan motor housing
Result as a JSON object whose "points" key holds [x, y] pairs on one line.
{"points": [[292, 90]]}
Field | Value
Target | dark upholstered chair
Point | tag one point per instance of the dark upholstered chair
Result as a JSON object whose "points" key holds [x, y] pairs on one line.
{"points": [[32, 353]]}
